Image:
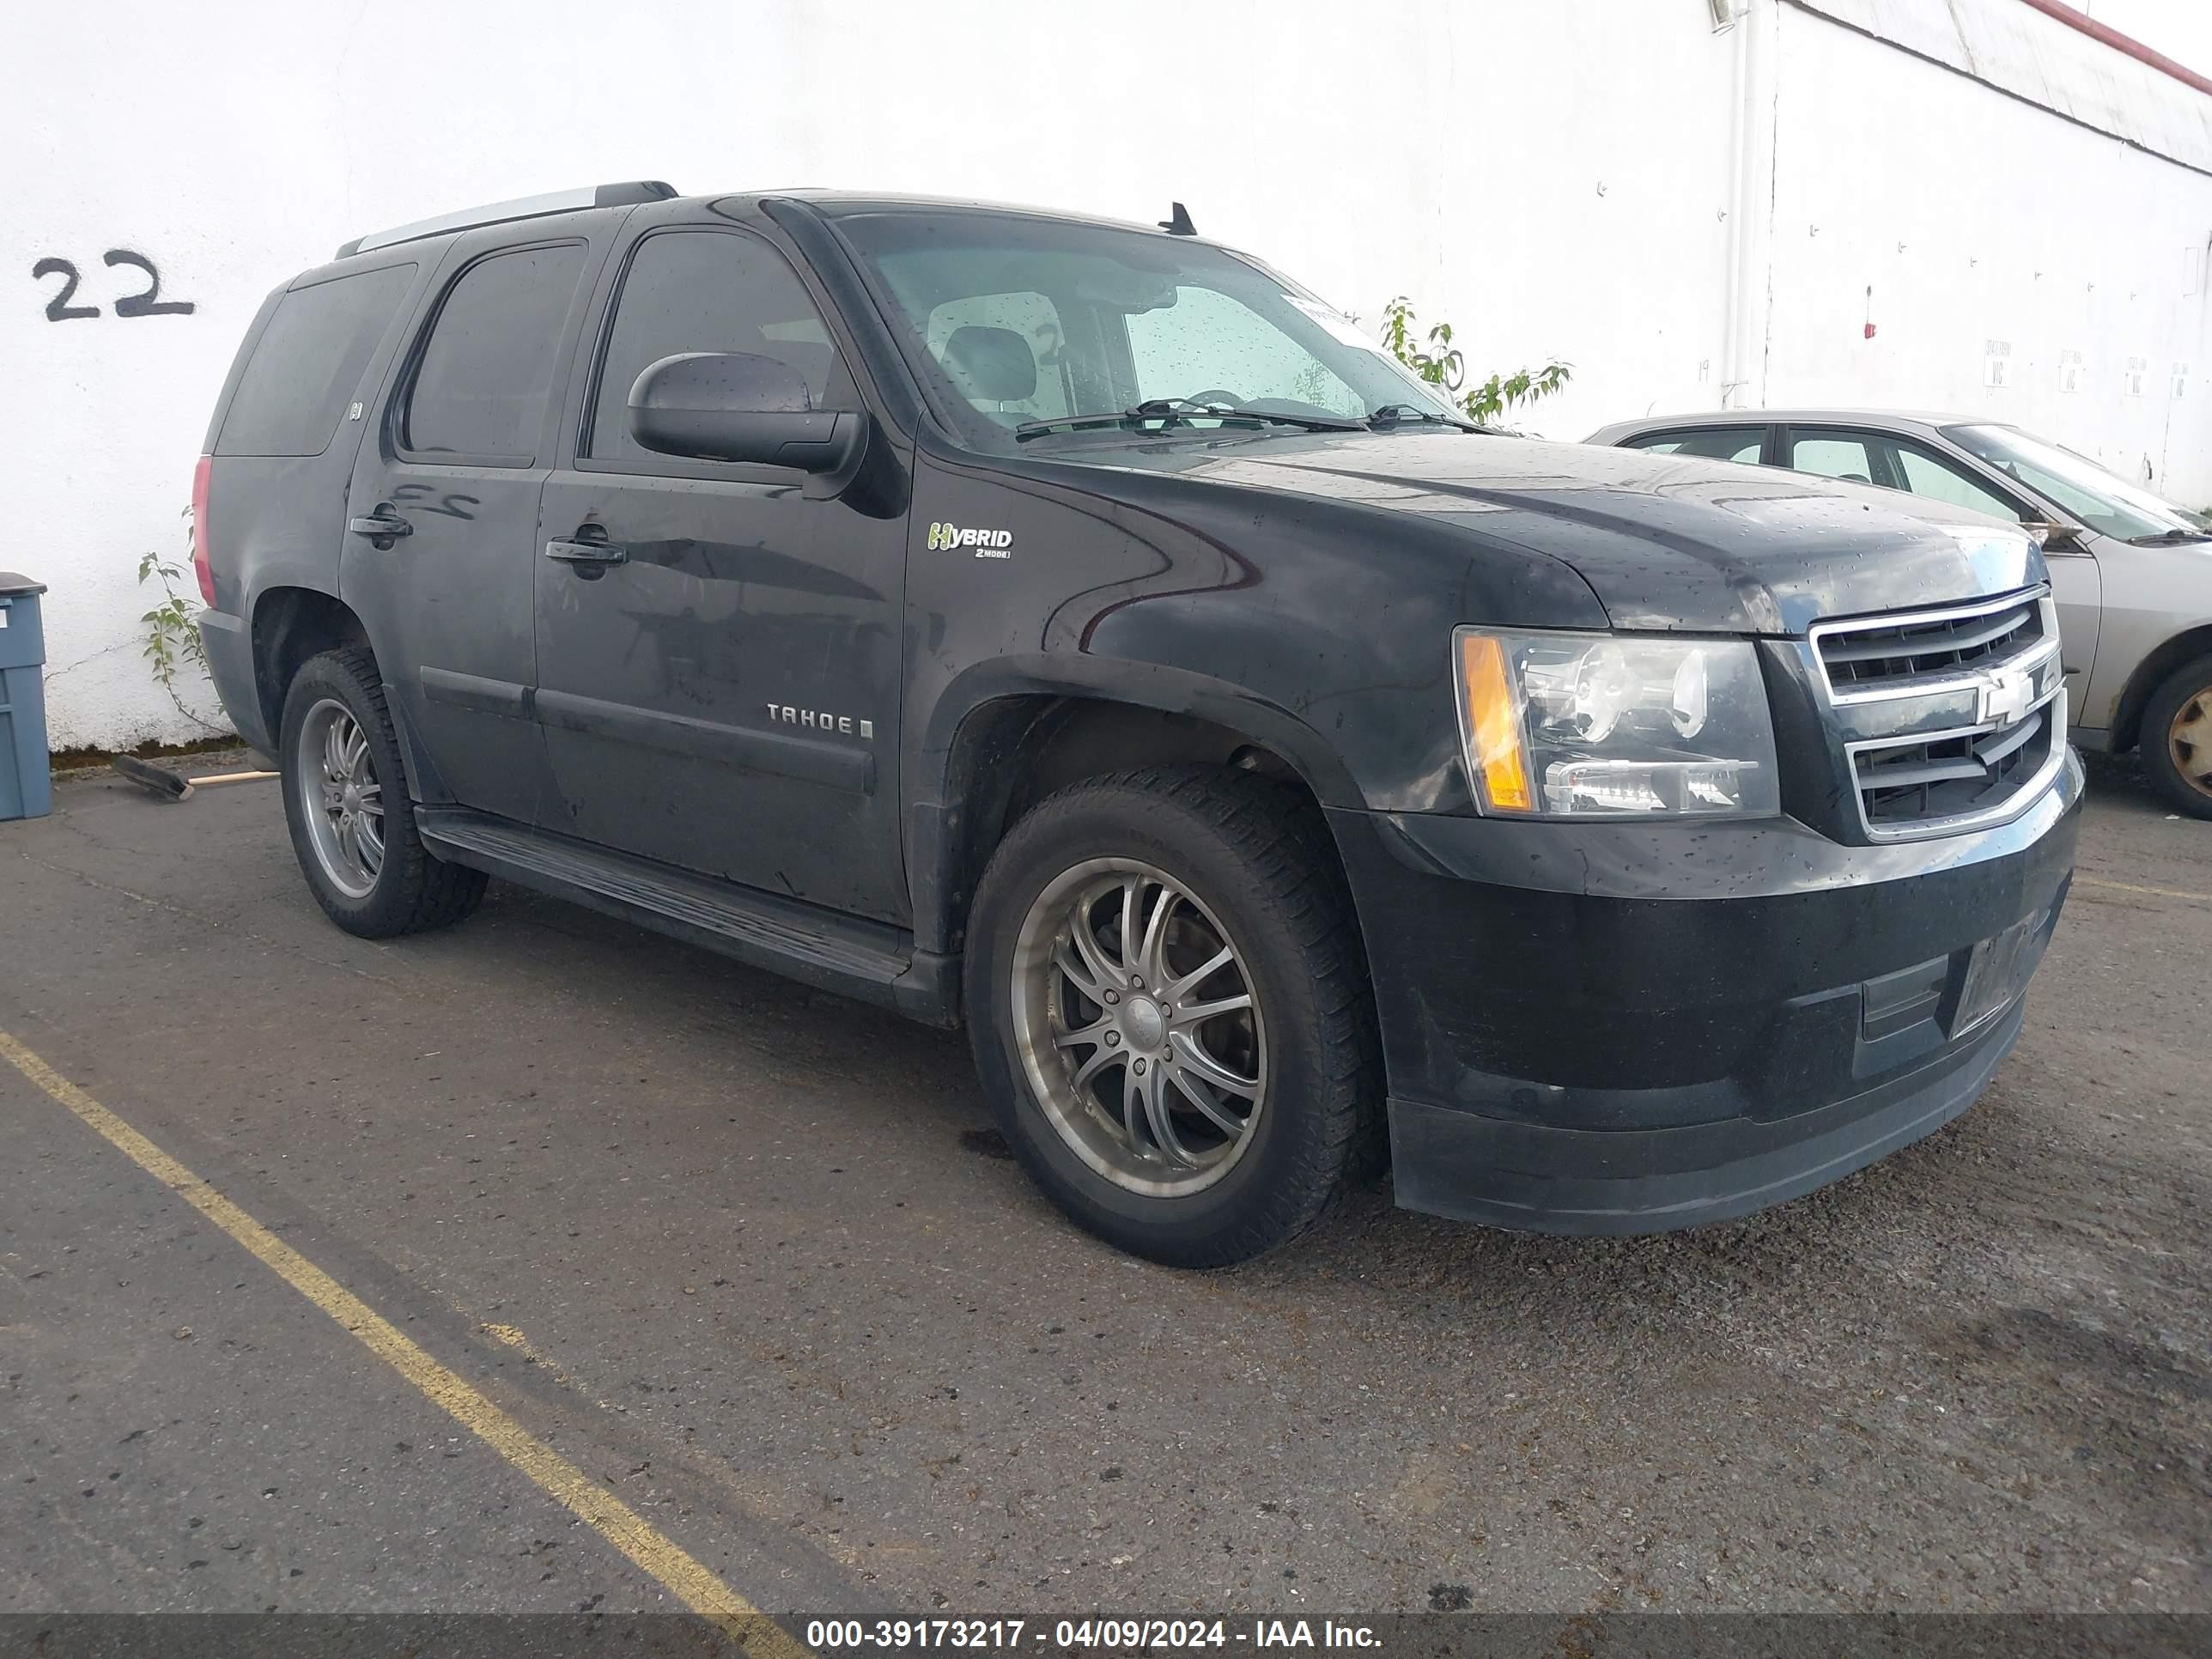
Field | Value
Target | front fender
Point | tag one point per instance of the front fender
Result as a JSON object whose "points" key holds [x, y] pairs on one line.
{"points": [[1156, 686], [1319, 629], [2156, 614], [956, 764]]}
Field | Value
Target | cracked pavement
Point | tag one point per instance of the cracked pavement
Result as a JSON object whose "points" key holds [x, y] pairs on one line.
{"points": [[743, 1251]]}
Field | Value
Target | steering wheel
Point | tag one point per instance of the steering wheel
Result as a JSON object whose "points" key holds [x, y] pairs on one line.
{"points": [[1213, 394]]}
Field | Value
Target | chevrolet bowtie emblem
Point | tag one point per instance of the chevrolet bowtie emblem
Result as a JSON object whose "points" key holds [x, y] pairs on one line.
{"points": [[2006, 694]]}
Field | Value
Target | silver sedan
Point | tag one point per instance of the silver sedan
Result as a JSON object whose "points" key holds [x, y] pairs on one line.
{"points": [[2131, 573]]}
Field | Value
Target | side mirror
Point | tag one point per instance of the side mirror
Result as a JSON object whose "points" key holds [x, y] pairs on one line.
{"points": [[2051, 536], [739, 406]]}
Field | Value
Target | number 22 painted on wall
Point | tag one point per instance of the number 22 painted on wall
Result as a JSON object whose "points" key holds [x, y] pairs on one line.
{"points": [[146, 303]]}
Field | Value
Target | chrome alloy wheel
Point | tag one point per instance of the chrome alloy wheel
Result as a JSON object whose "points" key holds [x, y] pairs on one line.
{"points": [[2189, 741], [1139, 1029], [341, 798]]}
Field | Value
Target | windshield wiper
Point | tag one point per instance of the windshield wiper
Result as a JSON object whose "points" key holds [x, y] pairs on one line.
{"points": [[1391, 415], [1182, 412], [2170, 538]]}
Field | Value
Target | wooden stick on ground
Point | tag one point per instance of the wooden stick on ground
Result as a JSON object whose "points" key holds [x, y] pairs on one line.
{"points": [[165, 781]]}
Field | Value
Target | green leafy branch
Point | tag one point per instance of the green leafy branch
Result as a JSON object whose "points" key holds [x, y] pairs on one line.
{"points": [[172, 633], [1441, 363]]}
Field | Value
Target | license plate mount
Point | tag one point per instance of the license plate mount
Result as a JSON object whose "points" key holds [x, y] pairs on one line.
{"points": [[1999, 969]]}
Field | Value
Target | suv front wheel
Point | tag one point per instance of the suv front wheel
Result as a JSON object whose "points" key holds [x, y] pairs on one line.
{"points": [[345, 800], [1169, 1011]]}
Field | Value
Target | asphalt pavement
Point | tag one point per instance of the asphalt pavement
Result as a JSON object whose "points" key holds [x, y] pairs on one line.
{"points": [[748, 1257]]}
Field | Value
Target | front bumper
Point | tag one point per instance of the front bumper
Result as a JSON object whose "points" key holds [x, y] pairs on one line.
{"points": [[1621, 1028]]}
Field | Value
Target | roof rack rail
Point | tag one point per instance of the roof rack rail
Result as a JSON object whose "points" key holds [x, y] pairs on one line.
{"points": [[628, 194]]}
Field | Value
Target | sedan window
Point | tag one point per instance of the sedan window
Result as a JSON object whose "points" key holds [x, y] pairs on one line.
{"points": [[1842, 456], [1924, 474], [1714, 443], [2100, 500]]}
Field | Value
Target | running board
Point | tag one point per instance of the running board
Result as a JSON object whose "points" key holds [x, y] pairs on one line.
{"points": [[870, 961]]}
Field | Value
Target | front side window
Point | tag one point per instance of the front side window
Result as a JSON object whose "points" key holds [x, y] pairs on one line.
{"points": [[1840, 455], [1010, 320], [708, 290], [1923, 473], [481, 386], [1713, 443]]}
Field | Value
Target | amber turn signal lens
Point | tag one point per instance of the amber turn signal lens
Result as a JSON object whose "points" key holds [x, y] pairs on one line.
{"points": [[1493, 726]]}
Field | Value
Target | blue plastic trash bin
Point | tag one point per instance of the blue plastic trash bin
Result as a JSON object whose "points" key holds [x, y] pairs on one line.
{"points": [[25, 784]]}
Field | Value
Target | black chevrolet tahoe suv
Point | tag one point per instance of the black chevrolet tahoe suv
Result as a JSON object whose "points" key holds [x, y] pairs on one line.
{"points": [[1079, 631]]}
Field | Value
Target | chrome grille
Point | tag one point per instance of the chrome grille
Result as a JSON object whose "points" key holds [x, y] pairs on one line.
{"points": [[1923, 647], [1949, 719], [1910, 783]]}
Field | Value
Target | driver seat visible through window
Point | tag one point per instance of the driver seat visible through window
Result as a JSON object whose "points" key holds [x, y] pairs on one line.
{"points": [[992, 367], [974, 338]]}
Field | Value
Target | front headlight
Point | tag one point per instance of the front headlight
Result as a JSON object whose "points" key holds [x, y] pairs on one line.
{"points": [[1612, 725]]}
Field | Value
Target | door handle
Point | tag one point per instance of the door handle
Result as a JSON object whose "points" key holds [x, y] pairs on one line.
{"points": [[382, 524], [588, 558]]}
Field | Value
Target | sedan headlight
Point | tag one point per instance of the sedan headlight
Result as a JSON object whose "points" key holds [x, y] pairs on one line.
{"points": [[1611, 726]]}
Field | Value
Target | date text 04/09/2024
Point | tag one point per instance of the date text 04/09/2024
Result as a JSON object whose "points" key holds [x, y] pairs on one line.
{"points": [[1125, 1634]]}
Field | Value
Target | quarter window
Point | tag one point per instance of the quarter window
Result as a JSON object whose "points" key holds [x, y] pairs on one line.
{"points": [[708, 290], [481, 388], [308, 363]]}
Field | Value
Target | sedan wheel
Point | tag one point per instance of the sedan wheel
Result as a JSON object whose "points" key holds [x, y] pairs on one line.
{"points": [[2189, 741], [2177, 738]]}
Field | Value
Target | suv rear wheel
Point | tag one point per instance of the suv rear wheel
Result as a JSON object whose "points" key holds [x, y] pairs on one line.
{"points": [[2177, 738], [345, 799], [1169, 1011]]}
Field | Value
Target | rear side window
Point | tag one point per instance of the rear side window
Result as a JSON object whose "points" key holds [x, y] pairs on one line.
{"points": [[481, 386], [308, 363], [709, 291], [1712, 443]]}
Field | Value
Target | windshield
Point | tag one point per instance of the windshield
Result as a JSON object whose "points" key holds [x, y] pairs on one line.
{"points": [[1012, 321], [2101, 500]]}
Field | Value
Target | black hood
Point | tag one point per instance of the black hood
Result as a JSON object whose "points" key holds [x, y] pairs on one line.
{"points": [[1665, 543]]}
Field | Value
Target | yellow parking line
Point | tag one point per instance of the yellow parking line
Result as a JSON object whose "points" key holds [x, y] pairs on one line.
{"points": [[629, 1532], [2130, 887]]}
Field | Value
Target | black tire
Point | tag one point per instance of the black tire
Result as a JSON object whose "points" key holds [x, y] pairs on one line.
{"points": [[1258, 855], [2187, 690], [412, 891]]}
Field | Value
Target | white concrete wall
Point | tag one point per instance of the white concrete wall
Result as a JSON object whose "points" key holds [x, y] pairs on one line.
{"points": [[1980, 222], [1551, 179]]}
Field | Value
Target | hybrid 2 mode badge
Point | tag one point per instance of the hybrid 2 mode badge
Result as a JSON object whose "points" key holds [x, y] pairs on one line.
{"points": [[987, 543]]}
